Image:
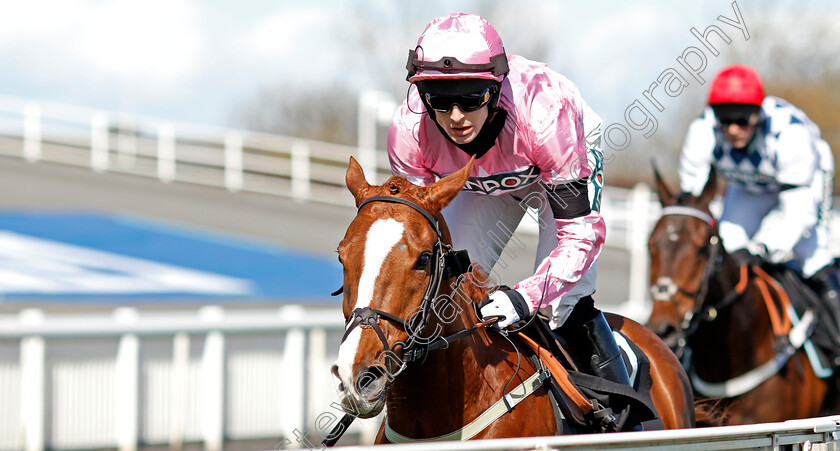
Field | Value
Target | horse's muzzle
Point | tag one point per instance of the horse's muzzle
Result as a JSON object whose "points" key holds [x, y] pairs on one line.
{"points": [[363, 395]]}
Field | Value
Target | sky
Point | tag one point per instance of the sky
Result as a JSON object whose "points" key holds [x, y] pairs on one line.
{"points": [[202, 61]]}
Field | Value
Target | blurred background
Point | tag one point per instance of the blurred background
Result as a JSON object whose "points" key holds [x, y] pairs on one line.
{"points": [[171, 188]]}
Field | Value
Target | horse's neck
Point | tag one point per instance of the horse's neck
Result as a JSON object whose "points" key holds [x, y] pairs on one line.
{"points": [[438, 395], [434, 396], [739, 337]]}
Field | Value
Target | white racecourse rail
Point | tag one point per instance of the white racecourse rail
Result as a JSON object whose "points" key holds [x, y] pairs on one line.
{"points": [[126, 378]]}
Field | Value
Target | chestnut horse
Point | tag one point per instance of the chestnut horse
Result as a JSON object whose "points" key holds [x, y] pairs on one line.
{"points": [[398, 296], [731, 325]]}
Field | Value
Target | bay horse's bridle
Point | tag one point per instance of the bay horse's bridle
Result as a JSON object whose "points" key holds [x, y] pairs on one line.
{"points": [[692, 318], [445, 264]]}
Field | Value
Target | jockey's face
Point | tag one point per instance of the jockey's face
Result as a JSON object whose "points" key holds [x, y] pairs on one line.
{"points": [[739, 133], [462, 127], [737, 121]]}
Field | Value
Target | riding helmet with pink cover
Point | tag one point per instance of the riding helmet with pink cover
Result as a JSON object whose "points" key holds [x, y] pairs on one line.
{"points": [[458, 46]]}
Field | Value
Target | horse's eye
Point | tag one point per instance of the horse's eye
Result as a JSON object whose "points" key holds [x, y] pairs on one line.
{"points": [[423, 261]]}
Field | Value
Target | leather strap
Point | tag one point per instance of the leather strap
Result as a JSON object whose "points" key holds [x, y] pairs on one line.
{"points": [[560, 375], [481, 422]]}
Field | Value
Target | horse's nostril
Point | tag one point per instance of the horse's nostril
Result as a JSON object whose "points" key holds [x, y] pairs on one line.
{"points": [[334, 371]]}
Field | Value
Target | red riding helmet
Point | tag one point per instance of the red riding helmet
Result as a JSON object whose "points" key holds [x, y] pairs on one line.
{"points": [[736, 84]]}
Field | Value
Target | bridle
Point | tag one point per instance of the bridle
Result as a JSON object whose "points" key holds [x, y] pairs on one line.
{"points": [[691, 320], [445, 264]]}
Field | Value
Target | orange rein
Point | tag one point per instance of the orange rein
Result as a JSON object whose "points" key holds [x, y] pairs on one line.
{"points": [[559, 373], [557, 370]]}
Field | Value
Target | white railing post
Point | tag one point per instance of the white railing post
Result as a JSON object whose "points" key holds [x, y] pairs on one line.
{"points": [[99, 142], [367, 135], [126, 384], [300, 171], [294, 404], [233, 161], [178, 398], [318, 380], [32, 371], [213, 383], [166, 153], [32, 132], [375, 108], [639, 230], [127, 141]]}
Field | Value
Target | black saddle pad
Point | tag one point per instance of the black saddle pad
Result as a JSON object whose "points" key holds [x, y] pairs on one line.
{"points": [[825, 335]]}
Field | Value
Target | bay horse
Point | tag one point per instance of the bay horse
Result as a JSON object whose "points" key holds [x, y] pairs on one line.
{"points": [[731, 325], [399, 296]]}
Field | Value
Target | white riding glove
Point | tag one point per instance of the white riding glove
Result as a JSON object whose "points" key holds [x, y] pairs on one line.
{"points": [[507, 304]]}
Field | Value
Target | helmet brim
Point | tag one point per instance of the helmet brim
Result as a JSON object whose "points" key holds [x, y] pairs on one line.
{"points": [[439, 76]]}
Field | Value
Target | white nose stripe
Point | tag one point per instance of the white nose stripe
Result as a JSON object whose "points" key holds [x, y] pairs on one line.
{"points": [[381, 238]]}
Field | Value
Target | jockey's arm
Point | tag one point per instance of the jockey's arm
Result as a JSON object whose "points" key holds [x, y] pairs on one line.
{"points": [[797, 211], [696, 158], [580, 228], [798, 206]]}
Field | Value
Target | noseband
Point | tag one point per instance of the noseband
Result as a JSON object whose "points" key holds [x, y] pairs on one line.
{"points": [[445, 264]]}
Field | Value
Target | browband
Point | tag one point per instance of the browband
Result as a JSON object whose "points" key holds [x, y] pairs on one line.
{"points": [[397, 200]]}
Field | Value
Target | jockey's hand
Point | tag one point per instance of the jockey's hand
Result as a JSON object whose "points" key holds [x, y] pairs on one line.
{"points": [[745, 257], [508, 304]]}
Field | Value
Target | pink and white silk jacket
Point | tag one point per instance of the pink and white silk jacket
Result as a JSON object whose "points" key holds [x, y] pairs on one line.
{"points": [[550, 136]]}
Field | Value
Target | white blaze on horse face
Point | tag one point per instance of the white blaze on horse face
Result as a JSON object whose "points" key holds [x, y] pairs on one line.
{"points": [[672, 233], [381, 238]]}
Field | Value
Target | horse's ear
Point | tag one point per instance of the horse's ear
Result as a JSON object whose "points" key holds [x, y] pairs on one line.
{"points": [[665, 195], [445, 189], [356, 182], [710, 189]]}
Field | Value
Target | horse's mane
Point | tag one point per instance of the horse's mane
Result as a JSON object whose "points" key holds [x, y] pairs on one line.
{"points": [[475, 285], [684, 198]]}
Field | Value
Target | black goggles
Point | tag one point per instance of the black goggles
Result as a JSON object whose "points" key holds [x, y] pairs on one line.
{"points": [[466, 102], [741, 121]]}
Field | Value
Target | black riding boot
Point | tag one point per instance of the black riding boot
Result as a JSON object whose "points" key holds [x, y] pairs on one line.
{"points": [[595, 346], [827, 286], [589, 338], [826, 283]]}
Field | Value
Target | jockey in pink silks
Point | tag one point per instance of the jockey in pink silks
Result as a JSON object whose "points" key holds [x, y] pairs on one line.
{"points": [[536, 143]]}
